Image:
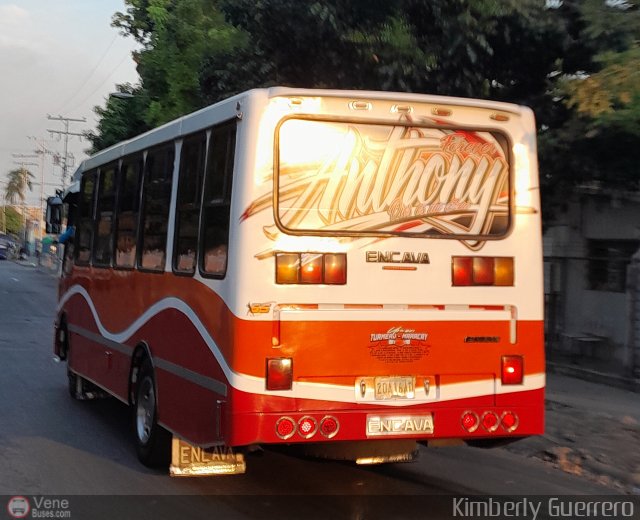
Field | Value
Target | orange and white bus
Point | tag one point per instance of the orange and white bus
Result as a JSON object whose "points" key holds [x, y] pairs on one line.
{"points": [[352, 272]]}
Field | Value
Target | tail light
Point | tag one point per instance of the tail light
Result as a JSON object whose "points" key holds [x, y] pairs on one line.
{"points": [[285, 428], [307, 427], [279, 373], [482, 270], [470, 421], [311, 268], [512, 370], [509, 421], [490, 421], [329, 426]]}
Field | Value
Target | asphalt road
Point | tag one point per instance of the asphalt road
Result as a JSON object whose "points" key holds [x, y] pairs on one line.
{"points": [[53, 445]]}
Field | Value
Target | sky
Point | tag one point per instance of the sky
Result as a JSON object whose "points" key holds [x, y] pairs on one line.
{"points": [[57, 58]]}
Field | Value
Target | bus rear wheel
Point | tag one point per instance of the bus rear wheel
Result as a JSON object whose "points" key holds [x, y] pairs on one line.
{"points": [[153, 443]]}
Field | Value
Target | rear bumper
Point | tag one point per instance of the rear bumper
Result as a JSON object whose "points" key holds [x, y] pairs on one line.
{"points": [[355, 421]]}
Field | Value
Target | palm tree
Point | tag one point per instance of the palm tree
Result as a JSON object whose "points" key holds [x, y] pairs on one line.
{"points": [[19, 180], [16, 188]]}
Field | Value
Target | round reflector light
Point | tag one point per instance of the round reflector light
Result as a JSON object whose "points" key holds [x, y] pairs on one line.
{"points": [[285, 427], [470, 421], [329, 426], [307, 427], [490, 421], [509, 421]]}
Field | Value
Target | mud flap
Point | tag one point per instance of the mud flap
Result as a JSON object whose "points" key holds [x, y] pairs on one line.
{"points": [[193, 461]]}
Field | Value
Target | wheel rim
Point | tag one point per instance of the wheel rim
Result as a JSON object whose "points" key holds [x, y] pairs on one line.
{"points": [[145, 409]]}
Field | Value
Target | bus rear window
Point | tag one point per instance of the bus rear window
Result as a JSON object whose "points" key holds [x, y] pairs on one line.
{"points": [[345, 178]]}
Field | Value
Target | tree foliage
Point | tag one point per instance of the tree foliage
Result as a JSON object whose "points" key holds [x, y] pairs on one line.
{"points": [[595, 139], [19, 181], [576, 65], [122, 117], [12, 220]]}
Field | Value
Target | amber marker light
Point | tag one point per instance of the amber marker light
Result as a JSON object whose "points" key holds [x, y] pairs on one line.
{"points": [[287, 267], [503, 270], [279, 373]]}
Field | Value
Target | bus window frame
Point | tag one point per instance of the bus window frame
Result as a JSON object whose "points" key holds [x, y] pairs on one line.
{"points": [[225, 201], [508, 142], [165, 147], [76, 260], [96, 218], [204, 136], [127, 159]]}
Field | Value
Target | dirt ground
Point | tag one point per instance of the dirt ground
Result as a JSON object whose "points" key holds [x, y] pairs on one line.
{"points": [[603, 446]]}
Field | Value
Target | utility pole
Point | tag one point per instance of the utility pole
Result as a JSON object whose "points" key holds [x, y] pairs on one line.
{"points": [[66, 134], [23, 164], [42, 151]]}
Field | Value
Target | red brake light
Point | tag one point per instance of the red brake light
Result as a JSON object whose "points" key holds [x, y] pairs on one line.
{"points": [[483, 271], [512, 370], [279, 374], [329, 426], [490, 421], [462, 270], [509, 421], [470, 421], [285, 427]]}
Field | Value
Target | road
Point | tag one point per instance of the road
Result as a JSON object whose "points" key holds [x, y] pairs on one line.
{"points": [[53, 445]]}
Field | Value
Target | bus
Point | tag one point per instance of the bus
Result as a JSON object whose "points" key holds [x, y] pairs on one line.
{"points": [[347, 273]]}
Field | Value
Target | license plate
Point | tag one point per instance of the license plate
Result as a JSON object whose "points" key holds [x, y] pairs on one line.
{"points": [[383, 425], [395, 387]]}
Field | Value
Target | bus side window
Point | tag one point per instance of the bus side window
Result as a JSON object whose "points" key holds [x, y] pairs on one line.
{"points": [[158, 172], [84, 230], [217, 200], [105, 207], [192, 159], [126, 233]]}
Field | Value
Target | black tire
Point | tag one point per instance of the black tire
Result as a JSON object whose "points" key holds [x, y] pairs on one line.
{"points": [[73, 384], [75, 390], [153, 443]]}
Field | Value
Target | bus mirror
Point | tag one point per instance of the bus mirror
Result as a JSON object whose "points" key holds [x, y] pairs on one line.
{"points": [[53, 217]]}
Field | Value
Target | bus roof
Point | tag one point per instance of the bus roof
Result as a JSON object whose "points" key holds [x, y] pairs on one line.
{"points": [[202, 118]]}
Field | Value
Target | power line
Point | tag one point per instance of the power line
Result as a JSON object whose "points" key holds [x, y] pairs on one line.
{"points": [[86, 80], [106, 79]]}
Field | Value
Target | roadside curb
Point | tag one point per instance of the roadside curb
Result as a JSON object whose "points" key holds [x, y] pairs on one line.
{"points": [[625, 383]]}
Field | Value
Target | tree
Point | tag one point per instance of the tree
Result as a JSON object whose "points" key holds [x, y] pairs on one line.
{"points": [[121, 118], [12, 220], [176, 36], [19, 181], [575, 65], [594, 138]]}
